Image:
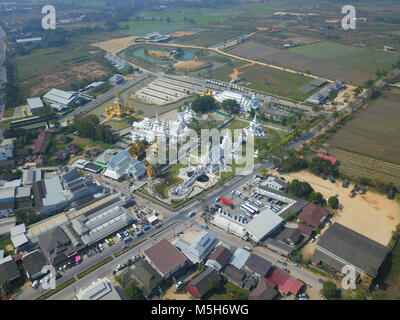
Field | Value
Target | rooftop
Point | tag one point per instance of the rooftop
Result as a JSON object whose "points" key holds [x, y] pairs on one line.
{"points": [[353, 248], [165, 256]]}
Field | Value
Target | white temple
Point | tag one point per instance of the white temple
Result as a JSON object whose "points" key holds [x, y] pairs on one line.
{"points": [[254, 130], [147, 129], [245, 103]]}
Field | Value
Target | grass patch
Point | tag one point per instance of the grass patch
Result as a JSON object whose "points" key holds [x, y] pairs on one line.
{"points": [[170, 180], [57, 289], [230, 291], [95, 267]]}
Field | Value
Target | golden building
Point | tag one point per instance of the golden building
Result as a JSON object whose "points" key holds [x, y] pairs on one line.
{"points": [[118, 109], [206, 93]]}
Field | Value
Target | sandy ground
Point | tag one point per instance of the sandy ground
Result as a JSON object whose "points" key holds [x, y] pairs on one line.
{"points": [[115, 45], [346, 94], [158, 54], [178, 34], [171, 295], [191, 65], [372, 214], [236, 73]]}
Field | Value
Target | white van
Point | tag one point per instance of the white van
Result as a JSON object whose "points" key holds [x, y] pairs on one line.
{"points": [[119, 236]]}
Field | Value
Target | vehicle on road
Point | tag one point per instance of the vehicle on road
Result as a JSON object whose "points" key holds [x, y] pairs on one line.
{"points": [[282, 262], [145, 228], [297, 265], [247, 248], [179, 233], [101, 248], [35, 284], [191, 214], [139, 233], [128, 239], [126, 233]]}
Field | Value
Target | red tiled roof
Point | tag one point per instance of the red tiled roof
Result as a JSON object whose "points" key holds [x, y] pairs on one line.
{"points": [[306, 230], [326, 157], [221, 255], [165, 256], [286, 283], [313, 215]]}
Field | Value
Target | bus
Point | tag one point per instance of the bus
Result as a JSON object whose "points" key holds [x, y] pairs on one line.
{"points": [[252, 211], [251, 207], [246, 210], [226, 202]]}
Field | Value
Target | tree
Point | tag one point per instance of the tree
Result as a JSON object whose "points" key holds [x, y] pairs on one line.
{"points": [[333, 202], [300, 189], [263, 172], [134, 292], [203, 104], [231, 106], [330, 291], [215, 285], [316, 197]]}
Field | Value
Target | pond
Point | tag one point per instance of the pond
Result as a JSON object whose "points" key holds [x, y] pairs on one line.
{"points": [[140, 53]]}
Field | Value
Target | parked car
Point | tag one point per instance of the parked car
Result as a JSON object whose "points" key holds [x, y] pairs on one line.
{"points": [[119, 236], [247, 248], [296, 265], [101, 248], [111, 241], [179, 284], [145, 228], [179, 233], [95, 251], [321, 280], [139, 233], [35, 284], [107, 242], [126, 233], [191, 214]]}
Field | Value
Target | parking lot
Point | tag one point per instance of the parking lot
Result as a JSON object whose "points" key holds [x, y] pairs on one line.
{"points": [[246, 202]]}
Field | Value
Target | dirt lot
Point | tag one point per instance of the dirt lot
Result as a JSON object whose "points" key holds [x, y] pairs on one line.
{"points": [[171, 295], [372, 214], [115, 45], [62, 79], [191, 65]]}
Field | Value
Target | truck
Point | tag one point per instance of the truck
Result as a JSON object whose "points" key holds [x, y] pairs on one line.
{"points": [[139, 233]]}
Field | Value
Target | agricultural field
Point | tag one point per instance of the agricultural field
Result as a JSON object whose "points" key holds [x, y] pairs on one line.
{"points": [[261, 78], [363, 59], [373, 134], [286, 58]]}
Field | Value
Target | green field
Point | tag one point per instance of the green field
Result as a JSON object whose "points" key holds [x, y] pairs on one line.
{"points": [[363, 59], [269, 80]]}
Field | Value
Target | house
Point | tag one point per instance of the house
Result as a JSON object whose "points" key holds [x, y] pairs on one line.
{"points": [[33, 263], [313, 215], [326, 157], [100, 289], [23, 197], [143, 275], [56, 245], [257, 265], [278, 247], [219, 258], [8, 270], [7, 149], [263, 292], [305, 230], [200, 285], [284, 282], [61, 155], [200, 248], [18, 237], [240, 277], [340, 246], [239, 258], [165, 258]]}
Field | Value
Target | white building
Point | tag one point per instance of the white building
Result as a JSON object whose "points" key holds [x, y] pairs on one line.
{"points": [[245, 103], [254, 130], [60, 100], [148, 129], [100, 289], [123, 164]]}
